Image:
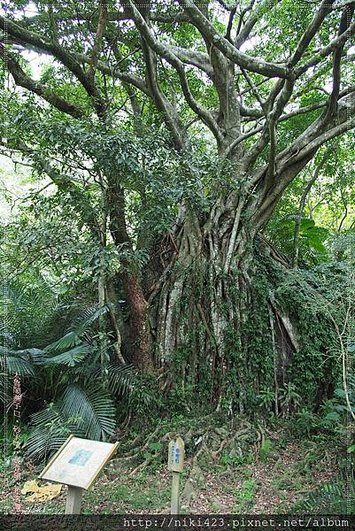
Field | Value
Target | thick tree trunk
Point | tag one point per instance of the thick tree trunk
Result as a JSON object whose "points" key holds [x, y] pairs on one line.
{"points": [[198, 313], [139, 333], [139, 337], [218, 333]]}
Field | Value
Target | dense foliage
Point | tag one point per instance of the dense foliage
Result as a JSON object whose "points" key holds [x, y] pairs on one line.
{"points": [[185, 237]]}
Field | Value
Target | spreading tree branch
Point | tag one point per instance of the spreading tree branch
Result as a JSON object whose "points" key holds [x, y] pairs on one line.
{"points": [[171, 58], [23, 80], [336, 43], [26, 37], [244, 31], [243, 60], [98, 40], [337, 56], [293, 159], [324, 9]]}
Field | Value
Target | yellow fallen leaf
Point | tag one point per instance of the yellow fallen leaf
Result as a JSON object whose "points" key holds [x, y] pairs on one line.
{"points": [[41, 493], [47, 493], [30, 486]]}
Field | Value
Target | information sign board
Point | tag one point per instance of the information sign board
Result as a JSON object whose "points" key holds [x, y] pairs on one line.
{"points": [[78, 462]]}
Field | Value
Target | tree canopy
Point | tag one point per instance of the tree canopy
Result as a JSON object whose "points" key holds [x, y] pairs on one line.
{"points": [[189, 195]]}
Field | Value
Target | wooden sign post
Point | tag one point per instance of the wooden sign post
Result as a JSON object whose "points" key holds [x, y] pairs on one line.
{"points": [[77, 464], [176, 465], [74, 497]]}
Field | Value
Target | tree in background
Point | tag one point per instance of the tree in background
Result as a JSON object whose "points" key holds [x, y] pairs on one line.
{"points": [[171, 133]]}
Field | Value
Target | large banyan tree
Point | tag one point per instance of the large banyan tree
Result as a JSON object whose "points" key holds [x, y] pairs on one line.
{"points": [[229, 100]]}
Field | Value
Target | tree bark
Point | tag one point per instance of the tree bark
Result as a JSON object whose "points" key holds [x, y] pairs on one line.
{"points": [[202, 297], [128, 277]]}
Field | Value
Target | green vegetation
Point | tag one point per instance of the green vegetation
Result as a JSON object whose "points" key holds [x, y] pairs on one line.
{"points": [[177, 249], [296, 476]]}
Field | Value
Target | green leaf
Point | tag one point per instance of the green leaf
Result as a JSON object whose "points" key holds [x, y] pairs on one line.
{"points": [[307, 224], [49, 432], [121, 379], [333, 416], [94, 406], [15, 364], [71, 357], [71, 339]]}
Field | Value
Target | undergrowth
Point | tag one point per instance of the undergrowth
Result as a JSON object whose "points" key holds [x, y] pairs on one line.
{"points": [[231, 465]]}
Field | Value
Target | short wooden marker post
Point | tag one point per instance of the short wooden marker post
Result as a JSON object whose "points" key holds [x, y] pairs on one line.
{"points": [[176, 465]]}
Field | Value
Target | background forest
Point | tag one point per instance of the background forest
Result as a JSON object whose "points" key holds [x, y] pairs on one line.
{"points": [[177, 234]]}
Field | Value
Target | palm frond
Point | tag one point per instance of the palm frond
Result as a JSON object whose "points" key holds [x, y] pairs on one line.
{"points": [[72, 357], [11, 362], [86, 317], [9, 328], [36, 356], [84, 328], [83, 412], [126, 383], [121, 379], [5, 391], [6, 337], [22, 362], [93, 406], [50, 430], [71, 339], [28, 310], [337, 498]]}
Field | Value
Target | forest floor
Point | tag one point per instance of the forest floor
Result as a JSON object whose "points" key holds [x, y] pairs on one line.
{"points": [[269, 480]]}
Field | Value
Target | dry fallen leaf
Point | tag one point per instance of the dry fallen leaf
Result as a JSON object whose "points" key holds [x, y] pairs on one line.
{"points": [[40, 493], [30, 486]]}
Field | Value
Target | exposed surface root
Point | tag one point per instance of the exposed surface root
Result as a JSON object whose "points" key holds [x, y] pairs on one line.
{"points": [[205, 444]]}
